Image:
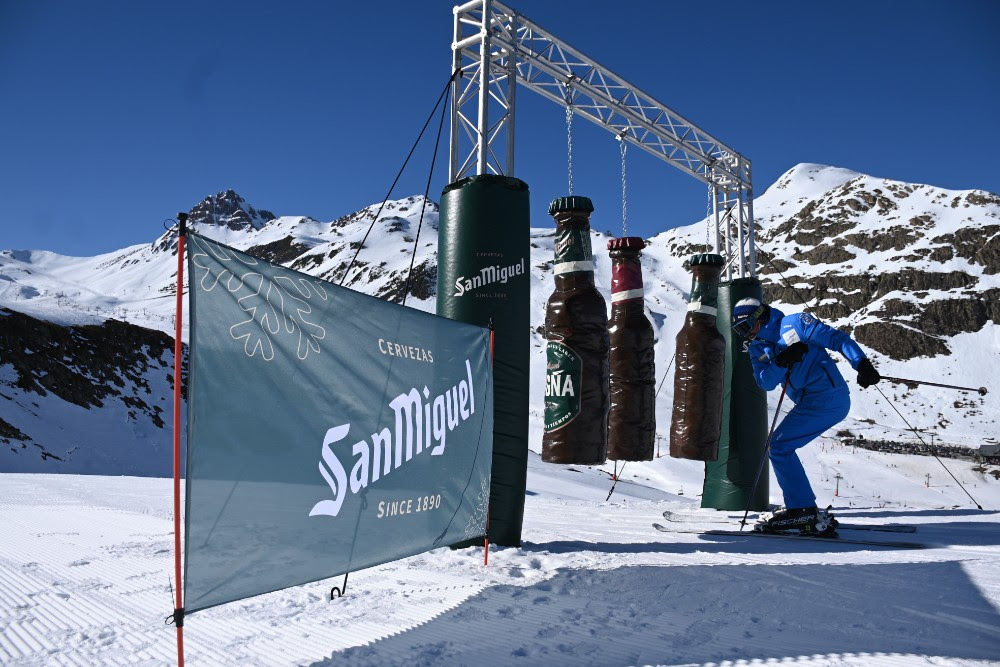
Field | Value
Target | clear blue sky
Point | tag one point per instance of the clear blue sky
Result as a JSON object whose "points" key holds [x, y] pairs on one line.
{"points": [[116, 115]]}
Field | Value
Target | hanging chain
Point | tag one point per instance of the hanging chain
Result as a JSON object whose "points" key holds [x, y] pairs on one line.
{"points": [[621, 138], [708, 218], [569, 142]]}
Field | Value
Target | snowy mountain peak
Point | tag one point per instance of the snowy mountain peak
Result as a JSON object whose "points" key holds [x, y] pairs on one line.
{"points": [[911, 271], [820, 176], [401, 215], [228, 209]]}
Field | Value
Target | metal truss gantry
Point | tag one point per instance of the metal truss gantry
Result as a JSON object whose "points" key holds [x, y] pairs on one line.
{"points": [[495, 48]]}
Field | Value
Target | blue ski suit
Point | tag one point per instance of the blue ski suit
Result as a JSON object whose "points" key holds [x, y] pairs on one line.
{"points": [[819, 391]]}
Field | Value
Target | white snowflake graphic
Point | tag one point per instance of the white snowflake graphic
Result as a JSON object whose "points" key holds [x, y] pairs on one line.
{"points": [[274, 306], [477, 522]]}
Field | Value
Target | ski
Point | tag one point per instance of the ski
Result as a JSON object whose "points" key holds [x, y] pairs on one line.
{"points": [[677, 517], [794, 536]]}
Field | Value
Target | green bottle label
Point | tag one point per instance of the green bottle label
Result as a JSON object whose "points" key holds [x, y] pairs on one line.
{"points": [[563, 376], [573, 252]]}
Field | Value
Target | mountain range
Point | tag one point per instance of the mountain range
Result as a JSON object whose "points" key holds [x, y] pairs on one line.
{"points": [[911, 271]]}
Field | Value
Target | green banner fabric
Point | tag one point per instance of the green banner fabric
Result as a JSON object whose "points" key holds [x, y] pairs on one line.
{"points": [[328, 431]]}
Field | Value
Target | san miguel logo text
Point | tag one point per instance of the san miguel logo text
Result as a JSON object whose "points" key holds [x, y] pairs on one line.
{"points": [[422, 425], [488, 275]]}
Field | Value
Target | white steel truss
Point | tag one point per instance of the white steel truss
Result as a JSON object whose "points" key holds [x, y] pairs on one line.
{"points": [[495, 48]]}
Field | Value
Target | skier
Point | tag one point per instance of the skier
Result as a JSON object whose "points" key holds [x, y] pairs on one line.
{"points": [[791, 349]]}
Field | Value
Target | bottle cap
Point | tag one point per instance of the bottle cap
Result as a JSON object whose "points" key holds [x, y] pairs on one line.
{"points": [[707, 258], [626, 243], [571, 203]]}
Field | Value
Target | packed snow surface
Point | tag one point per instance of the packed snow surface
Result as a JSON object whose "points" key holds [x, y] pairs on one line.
{"points": [[86, 564]]}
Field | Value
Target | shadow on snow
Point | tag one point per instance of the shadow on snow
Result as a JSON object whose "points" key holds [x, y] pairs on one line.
{"points": [[697, 614]]}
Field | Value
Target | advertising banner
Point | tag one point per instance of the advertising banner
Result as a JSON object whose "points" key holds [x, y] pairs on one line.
{"points": [[483, 277], [328, 431]]}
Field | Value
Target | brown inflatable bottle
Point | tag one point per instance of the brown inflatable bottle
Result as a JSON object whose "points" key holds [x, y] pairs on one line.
{"points": [[696, 423], [576, 328], [632, 418]]}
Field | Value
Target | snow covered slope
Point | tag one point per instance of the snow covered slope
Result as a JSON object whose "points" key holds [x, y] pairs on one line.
{"points": [[912, 271], [86, 563]]}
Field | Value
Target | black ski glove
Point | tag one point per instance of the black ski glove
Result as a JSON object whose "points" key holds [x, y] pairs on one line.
{"points": [[792, 355], [867, 375]]}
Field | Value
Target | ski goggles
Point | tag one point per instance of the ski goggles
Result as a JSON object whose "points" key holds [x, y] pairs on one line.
{"points": [[744, 327], [745, 324]]}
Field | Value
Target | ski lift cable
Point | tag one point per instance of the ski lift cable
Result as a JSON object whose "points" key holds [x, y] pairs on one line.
{"points": [[447, 88]]}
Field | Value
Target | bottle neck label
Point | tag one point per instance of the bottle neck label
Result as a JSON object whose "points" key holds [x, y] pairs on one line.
{"points": [[573, 252], [703, 308], [626, 280], [704, 290]]}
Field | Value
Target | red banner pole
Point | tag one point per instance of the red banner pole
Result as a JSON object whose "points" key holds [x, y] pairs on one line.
{"points": [[486, 541], [178, 353]]}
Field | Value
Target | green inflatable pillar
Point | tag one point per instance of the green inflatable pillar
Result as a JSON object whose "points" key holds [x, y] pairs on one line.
{"points": [[483, 256], [729, 480]]}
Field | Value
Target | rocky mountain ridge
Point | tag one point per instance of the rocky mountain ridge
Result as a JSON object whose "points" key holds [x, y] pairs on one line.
{"points": [[56, 379], [832, 232], [901, 266], [911, 270]]}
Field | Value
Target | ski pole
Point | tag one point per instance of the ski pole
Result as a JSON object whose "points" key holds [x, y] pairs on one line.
{"points": [[618, 476], [981, 390], [917, 433], [767, 448]]}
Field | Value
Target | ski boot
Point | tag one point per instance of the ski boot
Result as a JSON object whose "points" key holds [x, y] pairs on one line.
{"points": [[807, 520]]}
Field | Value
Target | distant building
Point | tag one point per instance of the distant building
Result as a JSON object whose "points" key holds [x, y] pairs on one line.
{"points": [[989, 453], [917, 448]]}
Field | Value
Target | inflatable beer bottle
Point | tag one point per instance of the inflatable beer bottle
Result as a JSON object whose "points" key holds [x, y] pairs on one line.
{"points": [[632, 419], [576, 328], [696, 423]]}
